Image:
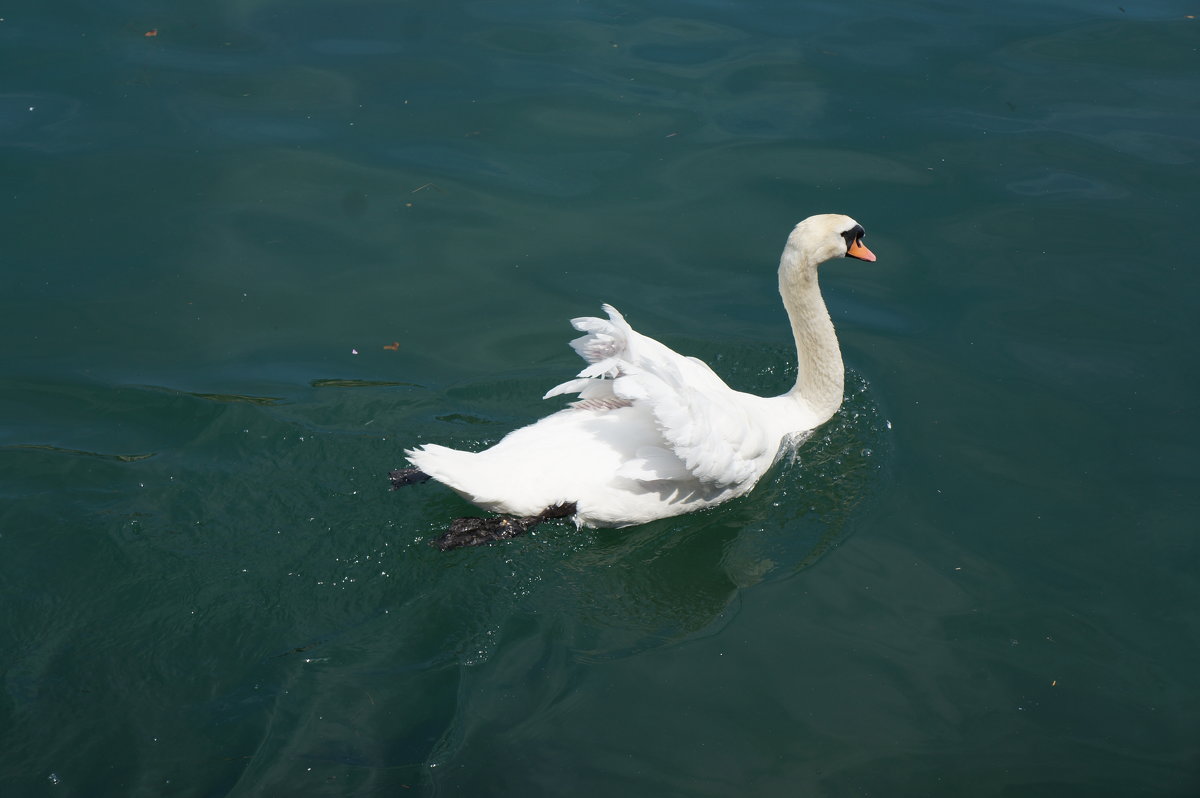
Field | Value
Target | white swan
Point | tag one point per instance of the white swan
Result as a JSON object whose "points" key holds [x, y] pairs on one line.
{"points": [[653, 433]]}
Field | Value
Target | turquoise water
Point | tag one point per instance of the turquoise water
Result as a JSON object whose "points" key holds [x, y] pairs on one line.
{"points": [[979, 579]]}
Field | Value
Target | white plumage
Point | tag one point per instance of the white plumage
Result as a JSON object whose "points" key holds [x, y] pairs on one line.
{"points": [[653, 433]]}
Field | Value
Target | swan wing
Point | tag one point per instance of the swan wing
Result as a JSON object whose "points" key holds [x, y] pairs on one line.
{"points": [[709, 433]]}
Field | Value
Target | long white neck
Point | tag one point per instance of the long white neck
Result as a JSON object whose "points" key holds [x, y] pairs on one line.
{"points": [[820, 380]]}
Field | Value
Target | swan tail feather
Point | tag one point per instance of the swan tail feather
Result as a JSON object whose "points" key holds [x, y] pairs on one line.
{"points": [[460, 471]]}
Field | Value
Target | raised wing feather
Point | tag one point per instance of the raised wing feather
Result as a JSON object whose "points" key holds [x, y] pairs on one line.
{"points": [[705, 425]]}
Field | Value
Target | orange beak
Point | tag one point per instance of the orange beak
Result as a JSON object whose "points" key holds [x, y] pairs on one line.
{"points": [[857, 250]]}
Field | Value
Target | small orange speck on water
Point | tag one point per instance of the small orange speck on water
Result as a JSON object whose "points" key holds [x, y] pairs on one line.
{"points": [[152, 32], [394, 346]]}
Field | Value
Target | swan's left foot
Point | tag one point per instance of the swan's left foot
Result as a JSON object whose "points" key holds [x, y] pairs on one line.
{"points": [[477, 531]]}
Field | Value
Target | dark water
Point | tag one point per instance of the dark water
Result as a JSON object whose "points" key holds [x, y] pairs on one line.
{"points": [[979, 579]]}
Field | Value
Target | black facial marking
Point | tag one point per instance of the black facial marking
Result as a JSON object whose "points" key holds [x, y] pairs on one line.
{"points": [[853, 234]]}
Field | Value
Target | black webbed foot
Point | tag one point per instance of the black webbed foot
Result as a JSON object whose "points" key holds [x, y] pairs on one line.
{"points": [[477, 531], [408, 476], [564, 510]]}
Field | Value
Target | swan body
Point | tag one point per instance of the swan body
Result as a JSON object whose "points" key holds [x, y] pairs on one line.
{"points": [[655, 434]]}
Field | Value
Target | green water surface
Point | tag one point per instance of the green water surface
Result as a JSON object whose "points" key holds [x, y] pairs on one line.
{"points": [[248, 259]]}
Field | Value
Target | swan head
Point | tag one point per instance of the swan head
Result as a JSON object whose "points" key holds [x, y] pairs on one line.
{"points": [[824, 237]]}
